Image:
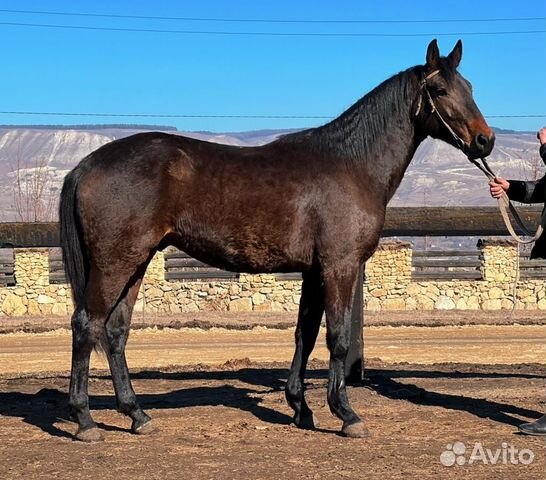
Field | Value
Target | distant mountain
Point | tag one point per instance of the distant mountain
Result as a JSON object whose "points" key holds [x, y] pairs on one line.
{"points": [[507, 130], [438, 175], [89, 126]]}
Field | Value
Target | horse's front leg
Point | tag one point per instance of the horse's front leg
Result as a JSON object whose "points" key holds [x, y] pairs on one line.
{"points": [[340, 283]]}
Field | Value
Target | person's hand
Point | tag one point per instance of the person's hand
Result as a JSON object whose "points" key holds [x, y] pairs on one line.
{"points": [[499, 185], [541, 135]]}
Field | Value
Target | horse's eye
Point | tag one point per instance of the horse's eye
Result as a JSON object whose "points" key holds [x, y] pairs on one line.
{"points": [[440, 92]]}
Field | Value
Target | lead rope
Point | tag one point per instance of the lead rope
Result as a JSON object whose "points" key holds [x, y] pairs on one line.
{"points": [[505, 206]]}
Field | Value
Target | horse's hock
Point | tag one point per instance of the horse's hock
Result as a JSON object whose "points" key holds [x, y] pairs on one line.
{"points": [[391, 283]]}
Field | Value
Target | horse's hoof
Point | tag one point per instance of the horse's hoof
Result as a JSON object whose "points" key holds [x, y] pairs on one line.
{"points": [[355, 430], [143, 429], [89, 435], [307, 423]]}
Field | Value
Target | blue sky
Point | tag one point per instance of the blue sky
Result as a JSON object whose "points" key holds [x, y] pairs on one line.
{"points": [[67, 70]]}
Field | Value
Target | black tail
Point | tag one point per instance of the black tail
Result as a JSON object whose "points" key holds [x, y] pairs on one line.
{"points": [[74, 256]]}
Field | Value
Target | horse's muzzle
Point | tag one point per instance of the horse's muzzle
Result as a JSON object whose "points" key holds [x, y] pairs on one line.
{"points": [[481, 145]]}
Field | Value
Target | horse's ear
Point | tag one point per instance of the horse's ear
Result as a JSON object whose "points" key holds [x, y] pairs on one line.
{"points": [[433, 54], [456, 54]]}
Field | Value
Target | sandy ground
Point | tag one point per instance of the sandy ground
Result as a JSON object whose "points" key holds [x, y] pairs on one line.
{"points": [[24, 353], [282, 320], [217, 400]]}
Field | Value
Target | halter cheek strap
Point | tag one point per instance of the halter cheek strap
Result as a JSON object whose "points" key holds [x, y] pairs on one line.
{"points": [[423, 88]]}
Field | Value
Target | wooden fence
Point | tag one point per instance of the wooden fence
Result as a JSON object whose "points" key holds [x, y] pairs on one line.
{"points": [[430, 265], [7, 276], [531, 269], [180, 266], [427, 266], [56, 267], [400, 222]]}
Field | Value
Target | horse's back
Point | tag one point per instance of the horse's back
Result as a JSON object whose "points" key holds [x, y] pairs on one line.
{"points": [[243, 208]]}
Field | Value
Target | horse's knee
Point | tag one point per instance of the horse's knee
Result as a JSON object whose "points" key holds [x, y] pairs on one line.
{"points": [[80, 320], [80, 326]]}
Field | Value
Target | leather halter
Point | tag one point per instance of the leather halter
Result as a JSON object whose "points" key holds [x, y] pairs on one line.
{"points": [[425, 92]]}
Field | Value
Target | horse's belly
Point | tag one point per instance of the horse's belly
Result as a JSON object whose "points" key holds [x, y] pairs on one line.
{"points": [[265, 256]]}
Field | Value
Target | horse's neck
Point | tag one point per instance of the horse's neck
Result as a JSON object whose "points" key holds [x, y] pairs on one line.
{"points": [[380, 160], [386, 163]]}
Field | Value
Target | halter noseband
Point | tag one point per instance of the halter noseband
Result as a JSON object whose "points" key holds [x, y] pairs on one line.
{"points": [[424, 91]]}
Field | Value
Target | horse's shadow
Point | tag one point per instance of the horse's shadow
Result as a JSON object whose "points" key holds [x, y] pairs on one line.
{"points": [[386, 386], [49, 406]]}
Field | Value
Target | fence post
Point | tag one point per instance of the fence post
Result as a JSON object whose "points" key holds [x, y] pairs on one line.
{"points": [[388, 274], [31, 267], [498, 260], [155, 272]]}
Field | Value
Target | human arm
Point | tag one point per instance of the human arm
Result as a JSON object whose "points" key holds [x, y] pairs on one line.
{"points": [[533, 191]]}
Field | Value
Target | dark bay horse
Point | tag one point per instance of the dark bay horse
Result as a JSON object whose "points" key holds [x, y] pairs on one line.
{"points": [[312, 201]]}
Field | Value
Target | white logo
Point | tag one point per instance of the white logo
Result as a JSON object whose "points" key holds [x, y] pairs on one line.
{"points": [[454, 454]]}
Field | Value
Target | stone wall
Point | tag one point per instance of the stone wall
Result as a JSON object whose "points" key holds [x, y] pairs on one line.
{"points": [[388, 286], [33, 294]]}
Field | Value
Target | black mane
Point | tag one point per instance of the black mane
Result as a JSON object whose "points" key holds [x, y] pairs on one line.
{"points": [[355, 132]]}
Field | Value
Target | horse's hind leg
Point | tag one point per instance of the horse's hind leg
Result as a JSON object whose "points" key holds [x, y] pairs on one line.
{"points": [[117, 332], [104, 290], [84, 338], [309, 317]]}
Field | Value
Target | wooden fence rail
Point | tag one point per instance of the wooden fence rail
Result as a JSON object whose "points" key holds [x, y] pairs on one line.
{"points": [[531, 269], [56, 266], [446, 265], [400, 222], [427, 266], [180, 266], [7, 277]]}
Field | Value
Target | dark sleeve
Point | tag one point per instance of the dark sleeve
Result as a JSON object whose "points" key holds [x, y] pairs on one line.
{"points": [[517, 190], [527, 192], [542, 152]]}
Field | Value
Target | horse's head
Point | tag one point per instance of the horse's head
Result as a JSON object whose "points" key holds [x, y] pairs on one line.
{"points": [[445, 108]]}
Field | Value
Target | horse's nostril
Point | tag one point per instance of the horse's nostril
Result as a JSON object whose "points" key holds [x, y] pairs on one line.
{"points": [[481, 140]]}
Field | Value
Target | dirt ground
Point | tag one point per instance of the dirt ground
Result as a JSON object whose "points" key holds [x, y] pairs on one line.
{"points": [[217, 400]]}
